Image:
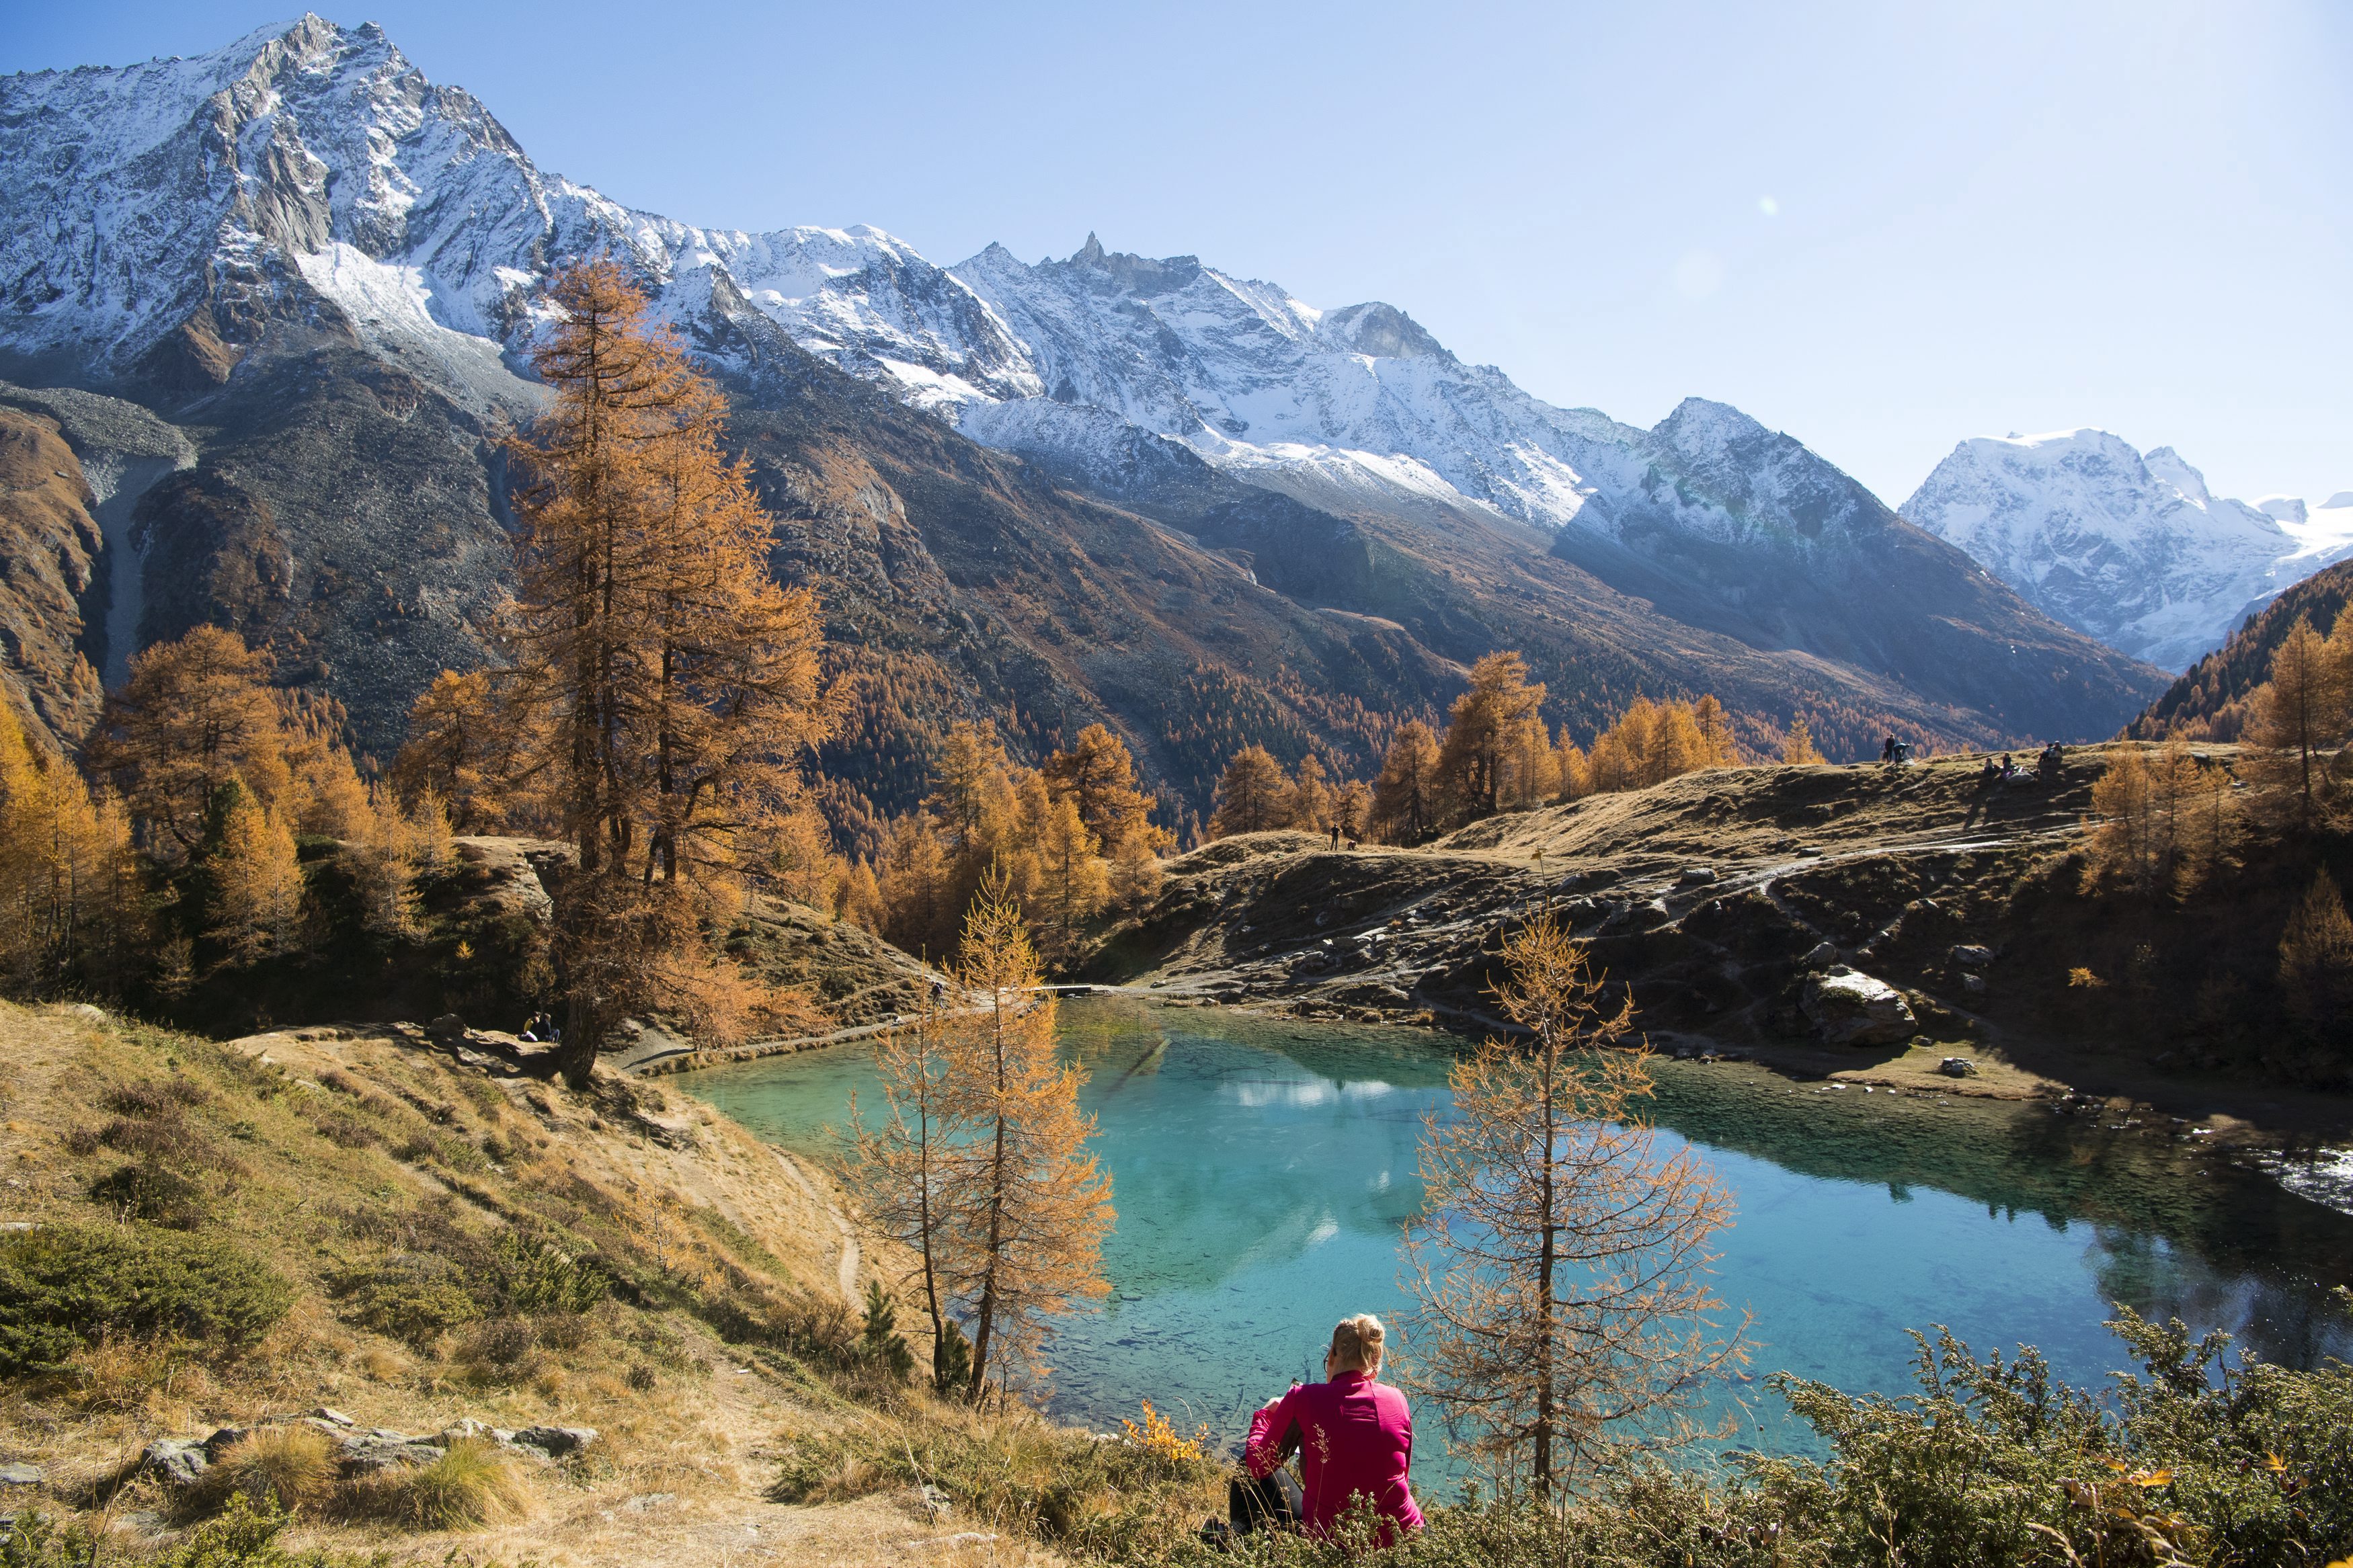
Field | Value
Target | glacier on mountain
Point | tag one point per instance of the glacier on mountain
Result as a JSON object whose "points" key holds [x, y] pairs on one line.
{"points": [[2129, 546]]}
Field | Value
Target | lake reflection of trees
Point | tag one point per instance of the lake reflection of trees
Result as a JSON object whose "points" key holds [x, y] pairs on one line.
{"points": [[2278, 1318], [1238, 1142], [2180, 1232]]}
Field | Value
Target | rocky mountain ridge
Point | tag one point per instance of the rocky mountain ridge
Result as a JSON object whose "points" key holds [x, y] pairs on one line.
{"points": [[323, 270]]}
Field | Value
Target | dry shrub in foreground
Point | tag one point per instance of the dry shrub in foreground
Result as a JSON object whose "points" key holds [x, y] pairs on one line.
{"points": [[124, 1375], [1115, 1500], [290, 1467], [471, 1484]]}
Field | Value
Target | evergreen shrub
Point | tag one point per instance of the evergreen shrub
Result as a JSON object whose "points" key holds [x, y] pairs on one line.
{"points": [[63, 1287]]}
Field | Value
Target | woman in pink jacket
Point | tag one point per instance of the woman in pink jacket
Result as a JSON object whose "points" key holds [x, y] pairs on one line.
{"points": [[1354, 1435]]}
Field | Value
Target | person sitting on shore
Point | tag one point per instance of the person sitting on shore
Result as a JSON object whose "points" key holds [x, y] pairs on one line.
{"points": [[1991, 773], [1354, 1436], [2050, 762]]}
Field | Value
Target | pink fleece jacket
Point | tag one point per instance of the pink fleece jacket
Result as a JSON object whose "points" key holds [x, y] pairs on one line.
{"points": [[1354, 1435]]}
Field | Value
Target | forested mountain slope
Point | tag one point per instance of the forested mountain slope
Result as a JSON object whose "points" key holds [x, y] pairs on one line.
{"points": [[2210, 700]]}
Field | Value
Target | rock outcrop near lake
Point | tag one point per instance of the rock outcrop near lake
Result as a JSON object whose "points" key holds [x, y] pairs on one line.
{"points": [[1848, 1008], [1830, 916]]}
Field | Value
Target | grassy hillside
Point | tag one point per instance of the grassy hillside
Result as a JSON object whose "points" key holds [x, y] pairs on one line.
{"points": [[208, 1235]]}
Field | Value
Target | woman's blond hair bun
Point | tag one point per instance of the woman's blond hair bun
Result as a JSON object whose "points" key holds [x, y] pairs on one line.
{"points": [[1357, 1343]]}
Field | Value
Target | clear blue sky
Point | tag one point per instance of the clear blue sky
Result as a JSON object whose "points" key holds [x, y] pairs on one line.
{"points": [[1985, 217]]}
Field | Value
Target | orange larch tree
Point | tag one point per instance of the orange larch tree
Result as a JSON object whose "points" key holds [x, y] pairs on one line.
{"points": [[676, 684], [1560, 1257], [1036, 1204]]}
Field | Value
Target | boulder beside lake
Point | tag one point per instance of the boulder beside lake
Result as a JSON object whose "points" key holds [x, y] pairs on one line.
{"points": [[1848, 1008]]}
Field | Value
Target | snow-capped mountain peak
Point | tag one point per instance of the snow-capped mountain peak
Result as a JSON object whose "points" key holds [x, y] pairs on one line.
{"points": [[2131, 547], [300, 229], [312, 169], [312, 178], [2166, 466]]}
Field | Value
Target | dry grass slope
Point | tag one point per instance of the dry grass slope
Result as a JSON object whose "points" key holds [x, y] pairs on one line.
{"points": [[435, 1224]]}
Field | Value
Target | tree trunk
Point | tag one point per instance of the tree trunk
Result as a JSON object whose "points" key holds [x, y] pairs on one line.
{"points": [[986, 1315], [575, 1056], [1543, 1455]]}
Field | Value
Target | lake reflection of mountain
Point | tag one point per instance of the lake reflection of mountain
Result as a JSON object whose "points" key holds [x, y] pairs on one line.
{"points": [[1243, 1147]]}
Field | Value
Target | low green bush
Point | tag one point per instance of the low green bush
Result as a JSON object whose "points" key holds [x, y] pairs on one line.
{"points": [[146, 1190], [244, 1536], [419, 1296], [66, 1286], [412, 1297], [529, 1277]]}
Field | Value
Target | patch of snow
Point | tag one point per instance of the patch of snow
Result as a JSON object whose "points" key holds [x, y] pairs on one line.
{"points": [[390, 305], [2326, 528]]}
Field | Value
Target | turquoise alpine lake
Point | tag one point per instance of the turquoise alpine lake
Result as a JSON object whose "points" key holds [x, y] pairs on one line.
{"points": [[1262, 1168]]}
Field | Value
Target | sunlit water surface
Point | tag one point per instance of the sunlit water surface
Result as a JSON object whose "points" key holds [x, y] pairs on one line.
{"points": [[1262, 1168]]}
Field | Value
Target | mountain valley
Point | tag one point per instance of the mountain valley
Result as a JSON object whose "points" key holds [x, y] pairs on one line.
{"points": [[1214, 516]]}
